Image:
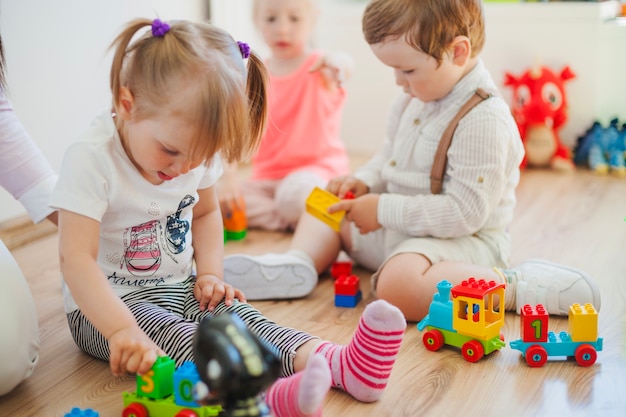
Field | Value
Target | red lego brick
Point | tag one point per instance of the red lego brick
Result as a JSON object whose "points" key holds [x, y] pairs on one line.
{"points": [[340, 268], [475, 288], [347, 285], [534, 323]]}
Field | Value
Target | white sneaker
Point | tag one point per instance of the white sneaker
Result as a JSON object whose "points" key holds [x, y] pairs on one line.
{"points": [[555, 286], [271, 276]]}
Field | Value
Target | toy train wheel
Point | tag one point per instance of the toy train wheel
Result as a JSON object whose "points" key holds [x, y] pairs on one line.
{"points": [[586, 355], [186, 413], [433, 340], [135, 410], [536, 356], [472, 351]]}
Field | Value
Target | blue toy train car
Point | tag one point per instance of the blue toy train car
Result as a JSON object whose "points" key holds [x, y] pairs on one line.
{"points": [[581, 341]]}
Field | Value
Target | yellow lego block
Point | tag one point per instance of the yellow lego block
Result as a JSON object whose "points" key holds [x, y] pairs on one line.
{"points": [[583, 323], [317, 204]]}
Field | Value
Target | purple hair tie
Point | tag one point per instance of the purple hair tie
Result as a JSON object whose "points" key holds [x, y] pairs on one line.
{"points": [[159, 29], [244, 48]]}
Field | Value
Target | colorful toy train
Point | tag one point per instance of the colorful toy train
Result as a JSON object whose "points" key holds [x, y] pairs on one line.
{"points": [[167, 392], [469, 320], [468, 316]]}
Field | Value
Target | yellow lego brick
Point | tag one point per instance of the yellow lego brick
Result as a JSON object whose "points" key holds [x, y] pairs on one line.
{"points": [[317, 204], [583, 323]]}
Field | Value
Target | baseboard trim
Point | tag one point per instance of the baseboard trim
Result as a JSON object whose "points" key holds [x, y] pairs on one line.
{"points": [[21, 230]]}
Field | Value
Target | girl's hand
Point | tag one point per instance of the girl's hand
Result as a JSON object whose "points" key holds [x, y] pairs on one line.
{"points": [[362, 211], [132, 351], [335, 68], [209, 290], [341, 185]]}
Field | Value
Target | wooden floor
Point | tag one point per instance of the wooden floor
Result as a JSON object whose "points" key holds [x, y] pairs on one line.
{"points": [[573, 219]]}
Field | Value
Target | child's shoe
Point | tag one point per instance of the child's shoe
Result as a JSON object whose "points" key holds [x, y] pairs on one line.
{"points": [[271, 276], [557, 287]]}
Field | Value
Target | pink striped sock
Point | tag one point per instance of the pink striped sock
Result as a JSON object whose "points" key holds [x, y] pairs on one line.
{"points": [[302, 394], [362, 367]]}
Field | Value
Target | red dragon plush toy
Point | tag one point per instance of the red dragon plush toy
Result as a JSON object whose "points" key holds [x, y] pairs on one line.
{"points": [[540, 110]]}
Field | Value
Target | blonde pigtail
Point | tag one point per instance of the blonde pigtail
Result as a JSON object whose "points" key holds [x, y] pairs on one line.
{"points": [[256, 89], [120, 45]]}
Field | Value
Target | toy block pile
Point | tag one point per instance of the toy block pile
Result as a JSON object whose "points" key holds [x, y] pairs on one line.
{"points": [[347, 286]]}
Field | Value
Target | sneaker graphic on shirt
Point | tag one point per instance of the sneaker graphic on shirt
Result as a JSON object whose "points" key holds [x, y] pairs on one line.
{"points": [[142, 254], [176, 229]]}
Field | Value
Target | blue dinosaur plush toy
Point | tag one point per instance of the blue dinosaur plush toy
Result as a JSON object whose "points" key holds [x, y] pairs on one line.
{"points": [[603, 149]]}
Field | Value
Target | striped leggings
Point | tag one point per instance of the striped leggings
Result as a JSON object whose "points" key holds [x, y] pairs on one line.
{"points": [[170, 314]]}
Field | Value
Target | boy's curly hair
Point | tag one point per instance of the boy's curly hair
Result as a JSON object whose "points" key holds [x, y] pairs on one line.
{"points": [[428, 25]]}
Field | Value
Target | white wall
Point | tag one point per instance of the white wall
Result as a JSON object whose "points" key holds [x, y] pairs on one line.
{"points": [[559, 34], [58, 66]]}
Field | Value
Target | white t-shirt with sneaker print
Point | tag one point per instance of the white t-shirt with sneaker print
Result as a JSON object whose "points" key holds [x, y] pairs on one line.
{"points": [[145, 229]]}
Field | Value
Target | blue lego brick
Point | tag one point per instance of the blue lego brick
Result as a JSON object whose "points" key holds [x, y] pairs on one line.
{"points": [[348, 300], [185, 377], [77, 412]]}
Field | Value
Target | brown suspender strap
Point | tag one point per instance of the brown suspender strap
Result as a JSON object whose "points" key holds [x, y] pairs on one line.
{"points": [[441, 157]]}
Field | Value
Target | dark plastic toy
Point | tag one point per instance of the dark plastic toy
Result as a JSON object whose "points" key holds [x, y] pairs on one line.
{"points": [[235, 366]]}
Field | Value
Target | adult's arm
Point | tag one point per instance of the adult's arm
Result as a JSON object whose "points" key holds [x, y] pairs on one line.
{"points": [[24, 171]]}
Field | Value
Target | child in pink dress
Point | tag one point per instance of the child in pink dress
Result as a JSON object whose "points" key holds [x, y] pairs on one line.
{"points": [[302, 147]]}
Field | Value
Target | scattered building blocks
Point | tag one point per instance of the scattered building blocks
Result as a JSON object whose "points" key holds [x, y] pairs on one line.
{"points": [[317, 204], [77, 412], [347, 291], [468, 316], [536, 353]]}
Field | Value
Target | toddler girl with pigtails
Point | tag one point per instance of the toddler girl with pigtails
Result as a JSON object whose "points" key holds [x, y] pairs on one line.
{"points": [[140, 228]]}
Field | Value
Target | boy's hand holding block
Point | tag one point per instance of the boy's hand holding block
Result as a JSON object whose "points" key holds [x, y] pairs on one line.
{"points": [[317, 205]]}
